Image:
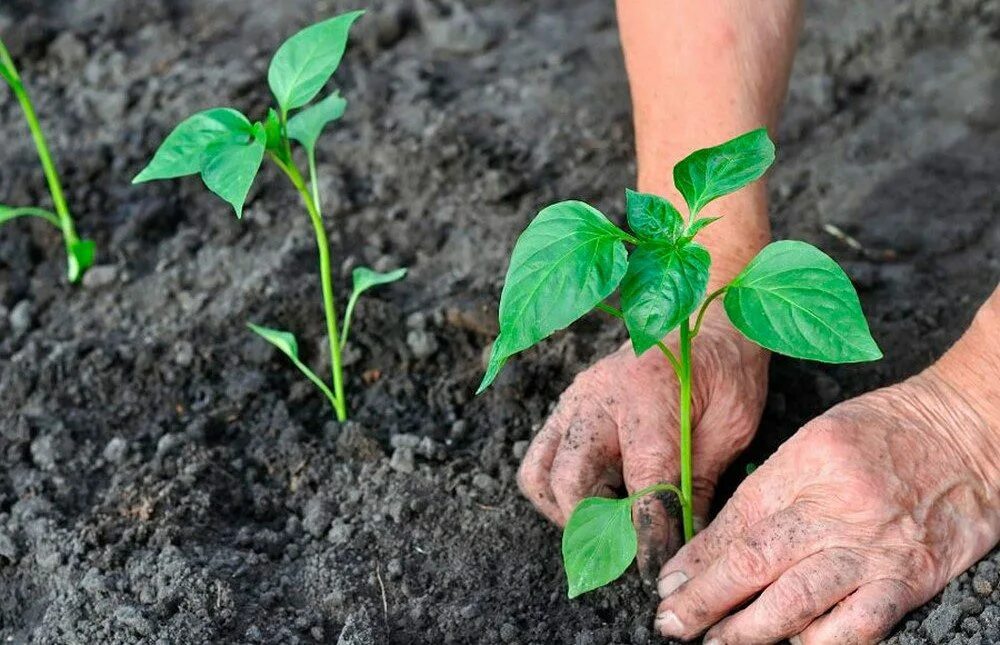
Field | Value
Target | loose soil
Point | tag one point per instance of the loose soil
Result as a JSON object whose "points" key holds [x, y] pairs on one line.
{"points": [[167, 477]]}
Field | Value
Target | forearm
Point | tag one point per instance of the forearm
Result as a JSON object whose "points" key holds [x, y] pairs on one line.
{"points": [[701, 73], [971, 370]]}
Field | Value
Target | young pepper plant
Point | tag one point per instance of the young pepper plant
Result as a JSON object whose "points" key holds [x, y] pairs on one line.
{"points": [[791, 298], [227, 150], [79, 253]]}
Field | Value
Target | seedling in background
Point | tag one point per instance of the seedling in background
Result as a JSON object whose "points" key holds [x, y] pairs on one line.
{"points": [[227, 150], [79, 253], [792, 299]]}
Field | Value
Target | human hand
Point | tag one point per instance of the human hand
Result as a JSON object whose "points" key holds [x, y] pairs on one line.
{"points": [[867, 512], [608, 429]]}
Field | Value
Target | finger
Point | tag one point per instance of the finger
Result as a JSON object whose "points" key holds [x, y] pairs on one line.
{"points": [[649, 457], [533, 477], [750, 563], [866, 616], [793, 601], [587, 462]]}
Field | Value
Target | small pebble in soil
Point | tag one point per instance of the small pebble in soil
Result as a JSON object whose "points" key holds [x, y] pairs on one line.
{"points": [[941, 622], [20, 317], [100, 276], [8, 549], [168, 443], [115, 450], [403, 460], [317, 517], [340, 532], [422, 343]]}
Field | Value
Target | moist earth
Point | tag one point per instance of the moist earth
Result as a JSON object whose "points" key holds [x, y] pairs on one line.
{"points": [[167, 477]]}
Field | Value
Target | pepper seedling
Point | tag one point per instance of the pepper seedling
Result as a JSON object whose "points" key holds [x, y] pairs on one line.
{"points": [[791, 298], [79, 253], [227, 150]]}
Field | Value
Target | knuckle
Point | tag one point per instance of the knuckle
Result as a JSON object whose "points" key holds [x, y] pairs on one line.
{"points": [[747, 561], [794, 599]]}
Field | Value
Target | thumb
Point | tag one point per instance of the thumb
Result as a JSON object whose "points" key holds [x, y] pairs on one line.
{"points": [[649, 457]]}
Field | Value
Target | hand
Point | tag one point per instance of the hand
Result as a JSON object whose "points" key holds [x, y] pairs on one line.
{"points": [[618, 423], [866, 513]]}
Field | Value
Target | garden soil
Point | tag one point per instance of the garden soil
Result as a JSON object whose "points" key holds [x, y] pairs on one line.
{"points": [[167, 477]]}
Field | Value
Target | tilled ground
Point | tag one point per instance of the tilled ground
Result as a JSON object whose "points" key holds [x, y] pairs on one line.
{"points": [[166, 476]]}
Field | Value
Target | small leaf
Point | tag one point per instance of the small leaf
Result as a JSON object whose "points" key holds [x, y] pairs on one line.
{"points": [[795, 300], [697, 225], [229, 168], [274, 143], [598, 544], [664, 284], [182, 152], [306, 126], [364, 279], [652, 217], [568, 259], [289, 347], [306, 61], [80, 256], [713, 172]]}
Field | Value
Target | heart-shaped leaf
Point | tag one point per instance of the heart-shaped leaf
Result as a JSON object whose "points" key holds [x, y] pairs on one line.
{"points": [[707, 174], [568, 259], [306, 61], [664, 284], [598, 544], [229, 167], [182, 152], [795, 300]]}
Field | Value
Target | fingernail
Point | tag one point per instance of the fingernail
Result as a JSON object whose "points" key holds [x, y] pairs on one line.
{"points": [[795, 640], [668, 584], [668, 624], [714, 641]]}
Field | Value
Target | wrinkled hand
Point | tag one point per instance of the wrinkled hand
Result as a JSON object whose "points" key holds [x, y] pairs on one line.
{"points": [[618, 423], [866, 513]]}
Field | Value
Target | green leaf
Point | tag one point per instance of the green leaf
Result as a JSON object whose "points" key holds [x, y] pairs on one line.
{"points": [[652, 217], [364, 279], [795, 300], [664, 284], [713, 172], [289, 347], [304, 63], [306, 126], [182, 152], [80, 256], [229, 167], [598, 543], [568, 259], [697, 225], [274, 142]]}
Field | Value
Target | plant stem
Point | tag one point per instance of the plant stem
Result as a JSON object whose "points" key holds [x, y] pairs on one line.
{"points": [[685, 429], [51, 175], [326, 279], [608, 309], [704, 307]]}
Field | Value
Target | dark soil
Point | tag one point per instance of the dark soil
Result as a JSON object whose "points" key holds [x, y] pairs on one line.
{"points": [[167, 477]]}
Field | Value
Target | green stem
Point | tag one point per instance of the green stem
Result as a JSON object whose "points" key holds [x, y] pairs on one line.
{"points": [[608, 309], [685, 429], [49, 168], [326, 279], [313, 183], [28, 211], [704, 307], [663, 487]]}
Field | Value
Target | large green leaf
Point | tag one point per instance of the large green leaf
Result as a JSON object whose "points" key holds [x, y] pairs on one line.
{"points": [[364, 279], [286, 342], [664, 284], [794, 299], [713, 172], [306, 126], [598, 543], [231, 166], [568, 259], [182, 152], [304, 63], [652, 217]]}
